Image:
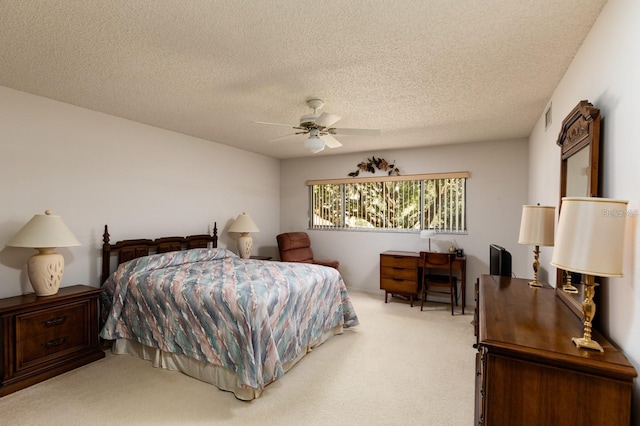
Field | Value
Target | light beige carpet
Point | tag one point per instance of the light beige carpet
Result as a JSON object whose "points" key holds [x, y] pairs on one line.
{"points": [[399, 367]]}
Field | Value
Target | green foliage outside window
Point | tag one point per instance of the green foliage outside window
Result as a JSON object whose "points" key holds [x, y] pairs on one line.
{"points": [[437, 204]]}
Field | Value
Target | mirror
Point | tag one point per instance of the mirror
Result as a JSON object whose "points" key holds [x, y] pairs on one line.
{"points": [[577, 180], [579, 142]]}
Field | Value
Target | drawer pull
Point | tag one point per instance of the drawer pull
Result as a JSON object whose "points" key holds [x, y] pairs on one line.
{"points": [[53, 322], [55, 342]]}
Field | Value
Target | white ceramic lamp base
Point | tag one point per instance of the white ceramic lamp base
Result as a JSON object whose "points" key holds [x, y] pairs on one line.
{"points": [[45, 271], [245, 245]]}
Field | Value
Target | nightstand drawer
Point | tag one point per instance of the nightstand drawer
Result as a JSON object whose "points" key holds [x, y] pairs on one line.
{"points": [[51, 333], [44, 348], [52, 322]]}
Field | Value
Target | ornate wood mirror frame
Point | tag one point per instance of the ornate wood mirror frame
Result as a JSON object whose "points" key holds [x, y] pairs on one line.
{"points": [[580, 176]]}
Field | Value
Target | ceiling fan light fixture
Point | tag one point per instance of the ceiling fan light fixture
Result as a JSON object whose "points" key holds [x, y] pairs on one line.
{"points": [[314, 144], [319, 124]]}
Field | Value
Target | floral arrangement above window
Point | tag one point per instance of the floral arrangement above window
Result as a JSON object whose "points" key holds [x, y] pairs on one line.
{"points": [[374, 163]]}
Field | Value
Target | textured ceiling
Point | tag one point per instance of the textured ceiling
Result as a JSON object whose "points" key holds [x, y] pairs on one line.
{"points": [[425, 72]]}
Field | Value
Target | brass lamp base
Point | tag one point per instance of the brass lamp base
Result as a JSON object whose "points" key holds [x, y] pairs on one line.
{"points": [[535, 284], [581, 342], [588, 311], [567, 286], [536, 265]]}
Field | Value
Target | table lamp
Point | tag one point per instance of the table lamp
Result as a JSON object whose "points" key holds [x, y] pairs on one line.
{"points": [[243, 224], [590, 242], [536, 229], [427, 234], [44, 232]]}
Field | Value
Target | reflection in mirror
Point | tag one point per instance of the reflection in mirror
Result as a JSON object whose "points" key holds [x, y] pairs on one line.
{"points": [[579, 141], [578, 174]]}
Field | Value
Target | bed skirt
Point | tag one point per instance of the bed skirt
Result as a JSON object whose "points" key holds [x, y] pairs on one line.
{"points": [[220, 377]]}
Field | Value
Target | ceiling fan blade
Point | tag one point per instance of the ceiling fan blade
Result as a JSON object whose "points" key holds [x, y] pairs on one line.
{"points": [[286, 136], [276, 124], [359, 132], [326, 119], [330, 141]]}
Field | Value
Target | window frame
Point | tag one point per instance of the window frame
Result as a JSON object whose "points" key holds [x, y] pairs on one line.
{"points": [[417, 177]]}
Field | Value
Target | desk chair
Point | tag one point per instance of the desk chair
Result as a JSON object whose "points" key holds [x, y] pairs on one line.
{"points": [[435, 283]]}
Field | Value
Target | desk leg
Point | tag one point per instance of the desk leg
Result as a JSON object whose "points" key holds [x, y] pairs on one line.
{"points": [[464, 286]]}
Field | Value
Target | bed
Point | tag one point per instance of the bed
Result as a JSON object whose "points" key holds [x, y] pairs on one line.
{"points": [[184, 304]]}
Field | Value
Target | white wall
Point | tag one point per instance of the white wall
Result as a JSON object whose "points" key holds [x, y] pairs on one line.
{"points": [[94, 169], [605, 72], [496, 191]]}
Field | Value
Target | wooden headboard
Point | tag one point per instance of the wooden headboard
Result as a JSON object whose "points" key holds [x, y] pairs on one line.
{"points": [[132, 249]]}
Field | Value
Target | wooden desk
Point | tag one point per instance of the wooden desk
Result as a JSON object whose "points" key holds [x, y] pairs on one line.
{"points": [[529, 372], [399, 274]]}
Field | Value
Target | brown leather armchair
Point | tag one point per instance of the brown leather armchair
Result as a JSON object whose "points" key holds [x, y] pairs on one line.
{"points": [[296, 247]]}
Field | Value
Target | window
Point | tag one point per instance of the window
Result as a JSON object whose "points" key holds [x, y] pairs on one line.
{"points": [[393, 203]]}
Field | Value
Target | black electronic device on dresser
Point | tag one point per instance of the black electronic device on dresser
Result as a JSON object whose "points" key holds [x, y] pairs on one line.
{"points": [[43, 336], [499, 261]]}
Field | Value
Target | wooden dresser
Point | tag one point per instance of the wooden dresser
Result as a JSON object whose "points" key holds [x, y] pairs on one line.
{"points": [[529, 372], [399, 273], [45, 336]]}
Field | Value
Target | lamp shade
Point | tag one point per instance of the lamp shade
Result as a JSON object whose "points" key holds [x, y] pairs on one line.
{"points": [[590, 236], [314, 144], [427, 233], [536, 225], [44, 231], [243, 224]]}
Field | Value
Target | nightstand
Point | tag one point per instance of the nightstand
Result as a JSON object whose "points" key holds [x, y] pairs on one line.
{"points": [[43, 336]]}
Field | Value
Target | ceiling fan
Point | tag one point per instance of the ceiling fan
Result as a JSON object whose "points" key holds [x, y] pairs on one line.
{"points": [[319, 128]]}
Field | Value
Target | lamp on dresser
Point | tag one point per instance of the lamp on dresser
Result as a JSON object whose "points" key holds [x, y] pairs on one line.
{"points": [[590, 242], [45, 232], [243, 224], [536, 229]]}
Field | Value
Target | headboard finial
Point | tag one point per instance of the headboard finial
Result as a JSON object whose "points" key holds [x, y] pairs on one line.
{"points": [[105, 236]]}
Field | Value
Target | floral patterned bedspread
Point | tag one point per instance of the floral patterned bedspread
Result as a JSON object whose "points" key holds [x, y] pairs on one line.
{"points": [[249, 316]]}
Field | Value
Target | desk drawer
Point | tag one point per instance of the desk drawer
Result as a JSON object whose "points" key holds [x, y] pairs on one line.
{"points": [[398, 273], [395, 285], [403, 262]]}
